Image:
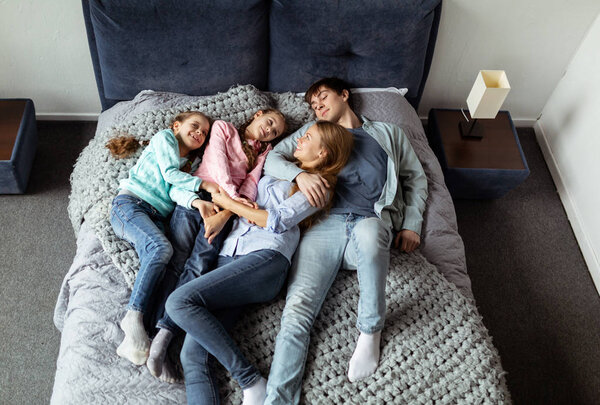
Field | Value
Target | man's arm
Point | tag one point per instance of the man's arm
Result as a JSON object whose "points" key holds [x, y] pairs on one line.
{"points": [[279, 165]]}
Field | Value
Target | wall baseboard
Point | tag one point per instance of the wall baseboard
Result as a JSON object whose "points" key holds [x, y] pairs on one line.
{"points": [[67, 117], [587, 249], [519, 122]]}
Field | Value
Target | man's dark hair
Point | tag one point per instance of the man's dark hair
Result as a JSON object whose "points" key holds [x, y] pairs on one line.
{"points": [[332, 83]]}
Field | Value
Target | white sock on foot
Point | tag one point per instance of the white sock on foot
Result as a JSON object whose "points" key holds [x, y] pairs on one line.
{"points": [[158, 351], [365, 358], [256, 393], [136, 343]]}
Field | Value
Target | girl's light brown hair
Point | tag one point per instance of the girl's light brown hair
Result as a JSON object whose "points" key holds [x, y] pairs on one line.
{"points": [[338, 143], [124, 146], [249, 151]]}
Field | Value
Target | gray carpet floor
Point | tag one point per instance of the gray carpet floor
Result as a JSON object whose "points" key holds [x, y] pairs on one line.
{"points": [[529, 279]]}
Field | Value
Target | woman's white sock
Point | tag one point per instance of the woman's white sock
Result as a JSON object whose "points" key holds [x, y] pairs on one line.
{"points": [[158, 351], [136, 343], [256, 393], [365, 358]]}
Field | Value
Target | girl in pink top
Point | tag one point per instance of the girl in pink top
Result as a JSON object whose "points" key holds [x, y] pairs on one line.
{"points": [[233, 160]]}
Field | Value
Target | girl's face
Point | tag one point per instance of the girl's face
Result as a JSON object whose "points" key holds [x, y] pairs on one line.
{"points": [[265, 127], [309, 149], [192, 131]]}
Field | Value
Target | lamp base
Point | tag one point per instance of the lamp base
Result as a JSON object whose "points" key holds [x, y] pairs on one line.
{"points": [[470, 129]]}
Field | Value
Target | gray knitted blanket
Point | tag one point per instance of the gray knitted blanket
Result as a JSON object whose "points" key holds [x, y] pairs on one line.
{"points": [[435, 348]]}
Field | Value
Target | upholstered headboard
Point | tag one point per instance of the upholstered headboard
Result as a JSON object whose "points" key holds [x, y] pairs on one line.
{"points": [[203, 47]]}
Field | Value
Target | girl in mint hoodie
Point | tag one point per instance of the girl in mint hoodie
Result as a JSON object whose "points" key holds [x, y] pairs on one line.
{"points": [[146, 198]]}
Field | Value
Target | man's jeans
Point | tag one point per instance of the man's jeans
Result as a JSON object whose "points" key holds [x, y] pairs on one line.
{"points": [[192, 257], [348, 241], [142, 225], [199, 307]]}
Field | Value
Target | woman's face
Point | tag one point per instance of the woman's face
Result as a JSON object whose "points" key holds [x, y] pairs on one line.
{"points": [[309, 149], [265, 127], [192, 131]]}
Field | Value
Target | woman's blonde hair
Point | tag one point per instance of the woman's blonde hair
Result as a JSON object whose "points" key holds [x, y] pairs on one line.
{"points": [[249, 151], [123, 146], [338, 143]]}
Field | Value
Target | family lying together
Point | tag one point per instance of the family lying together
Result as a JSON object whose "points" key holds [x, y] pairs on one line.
{"points": [[335, 194]]}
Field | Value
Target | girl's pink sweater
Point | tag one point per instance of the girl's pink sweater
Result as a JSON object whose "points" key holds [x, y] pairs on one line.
{"points": [[225, 163]]}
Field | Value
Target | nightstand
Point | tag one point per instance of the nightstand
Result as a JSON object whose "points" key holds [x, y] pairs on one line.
{"points": [[18, 142], [475, 168]]}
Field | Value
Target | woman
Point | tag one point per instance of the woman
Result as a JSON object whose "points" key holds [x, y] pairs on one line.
{"points": [[252, 267]]}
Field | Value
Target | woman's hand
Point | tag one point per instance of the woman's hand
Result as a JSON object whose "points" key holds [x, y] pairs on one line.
{"points": [[209, 186], [247, 201], [314, 187], [214, 224], [221, 198], [410, 240], [207, 209]]}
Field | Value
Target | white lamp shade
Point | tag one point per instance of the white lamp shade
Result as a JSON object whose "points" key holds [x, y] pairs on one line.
{"points": [[488, 93]]}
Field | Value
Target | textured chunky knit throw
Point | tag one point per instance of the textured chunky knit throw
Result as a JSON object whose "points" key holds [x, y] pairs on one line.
{"points": [[435, 348]]}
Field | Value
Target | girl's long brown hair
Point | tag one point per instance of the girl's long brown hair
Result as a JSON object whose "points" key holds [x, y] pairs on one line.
{"points": [[124, 146], [249, 151], [338, 143]]}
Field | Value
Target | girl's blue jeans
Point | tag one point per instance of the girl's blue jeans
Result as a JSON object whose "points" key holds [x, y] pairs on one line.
{"points": [[192, 257], [142, 226], [200, 306]]}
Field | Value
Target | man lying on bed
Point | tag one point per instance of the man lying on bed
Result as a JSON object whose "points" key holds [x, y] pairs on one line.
{"points": [[383, 186]]}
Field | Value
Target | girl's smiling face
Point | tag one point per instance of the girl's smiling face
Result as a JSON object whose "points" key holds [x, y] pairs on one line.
{"points": [[309, 149], [265, 127], [192, 131]]}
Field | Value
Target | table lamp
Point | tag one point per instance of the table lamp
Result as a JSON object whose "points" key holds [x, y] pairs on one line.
{"points": [[484, 101]]}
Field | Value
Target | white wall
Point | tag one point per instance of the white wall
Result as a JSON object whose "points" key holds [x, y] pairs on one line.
{"points": [[568, 133], [44, 56], [44, 53], [532, 40]]}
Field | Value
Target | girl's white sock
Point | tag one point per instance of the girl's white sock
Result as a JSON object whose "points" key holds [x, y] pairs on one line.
{"points": [[158, 351], [256, 393], [136, 343], [365, 358]]}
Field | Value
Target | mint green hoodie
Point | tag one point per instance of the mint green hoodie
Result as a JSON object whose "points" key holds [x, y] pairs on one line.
{"points": [[156, 177]]}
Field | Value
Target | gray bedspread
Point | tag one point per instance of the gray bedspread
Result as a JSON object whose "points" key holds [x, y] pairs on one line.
{"points": [[435, 347]]}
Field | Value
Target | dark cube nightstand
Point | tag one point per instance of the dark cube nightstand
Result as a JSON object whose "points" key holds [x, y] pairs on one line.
{"points": [[18, 142], [485, 167]]}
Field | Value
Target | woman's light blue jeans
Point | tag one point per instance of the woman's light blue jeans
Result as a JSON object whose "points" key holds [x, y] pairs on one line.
{"points": [[142, 225], [198, 307], [348, 241]]}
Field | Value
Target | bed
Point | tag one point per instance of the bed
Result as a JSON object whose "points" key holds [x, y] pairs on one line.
{"points": [[153, 59]]}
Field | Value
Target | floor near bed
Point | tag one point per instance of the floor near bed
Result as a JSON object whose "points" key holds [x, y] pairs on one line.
{"points": [[529, 279]]}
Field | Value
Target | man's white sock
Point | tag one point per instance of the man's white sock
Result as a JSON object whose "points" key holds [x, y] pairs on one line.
{"points": [[365, 358]]}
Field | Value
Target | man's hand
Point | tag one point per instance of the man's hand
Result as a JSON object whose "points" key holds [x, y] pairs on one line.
{"points": [[207, 209], [214, 224], [314, 187], [410, 240]]}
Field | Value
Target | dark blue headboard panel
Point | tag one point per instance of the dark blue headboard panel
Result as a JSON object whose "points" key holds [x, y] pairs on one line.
{"points": [[376, 43], [203, 47]]}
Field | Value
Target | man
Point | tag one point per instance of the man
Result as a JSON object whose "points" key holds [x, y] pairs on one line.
{"points": [[381, 190]]}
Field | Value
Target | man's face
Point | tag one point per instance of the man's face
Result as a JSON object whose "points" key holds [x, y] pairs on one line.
{"points": [[328, 105]]}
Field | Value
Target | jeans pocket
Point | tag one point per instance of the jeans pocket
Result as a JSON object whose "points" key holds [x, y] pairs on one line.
{"points": [[117, 223]]}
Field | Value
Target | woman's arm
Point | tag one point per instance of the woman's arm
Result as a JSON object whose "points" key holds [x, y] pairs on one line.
{"points": [[254, 215]]}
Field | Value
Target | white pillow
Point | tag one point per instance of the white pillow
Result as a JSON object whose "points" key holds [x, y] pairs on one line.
{"points": [[402, 91]]}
